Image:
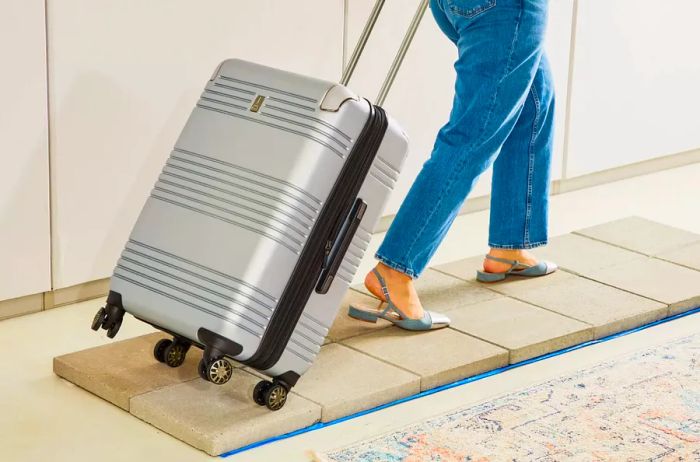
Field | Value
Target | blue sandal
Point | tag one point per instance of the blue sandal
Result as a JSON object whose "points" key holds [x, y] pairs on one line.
{"points": [[393, 314], [517, 268]]}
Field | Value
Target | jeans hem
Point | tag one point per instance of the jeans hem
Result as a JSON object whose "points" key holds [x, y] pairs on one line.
{"points": [[396, 266], [529, 245]]}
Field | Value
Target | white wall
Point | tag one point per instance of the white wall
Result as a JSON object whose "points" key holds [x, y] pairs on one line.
{"points": [[124, 76], [636, 82], [421, 97], [24, 198]]}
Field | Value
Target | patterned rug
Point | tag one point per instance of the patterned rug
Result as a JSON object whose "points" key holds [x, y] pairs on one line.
{"points": [[644, 406]]}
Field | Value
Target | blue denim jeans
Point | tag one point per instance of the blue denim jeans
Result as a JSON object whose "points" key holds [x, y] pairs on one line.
{"points": [[502, 115]]}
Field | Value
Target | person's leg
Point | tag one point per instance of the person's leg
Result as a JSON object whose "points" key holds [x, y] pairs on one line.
{"points": [[499, 51], [521, 178]]}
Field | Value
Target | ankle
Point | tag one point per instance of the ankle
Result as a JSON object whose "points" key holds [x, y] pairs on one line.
{"points": [[388, 272], [511, 254], [519, 255]]}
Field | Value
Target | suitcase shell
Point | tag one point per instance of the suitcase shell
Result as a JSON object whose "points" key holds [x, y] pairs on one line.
{"points": [[238, 207]]}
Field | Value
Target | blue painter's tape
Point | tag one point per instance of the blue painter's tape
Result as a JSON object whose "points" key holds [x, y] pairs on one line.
{"points": [[458, 383]]}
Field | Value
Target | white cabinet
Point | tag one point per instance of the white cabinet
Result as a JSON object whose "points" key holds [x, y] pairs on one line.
{"points": [[124, 76], [24, 187], [422, 94], [636, 82]]}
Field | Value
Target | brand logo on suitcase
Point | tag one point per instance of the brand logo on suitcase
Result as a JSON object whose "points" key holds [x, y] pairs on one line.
{"points": [[257, 103]]}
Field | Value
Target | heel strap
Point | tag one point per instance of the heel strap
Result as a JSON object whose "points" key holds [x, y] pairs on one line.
{"points": [[389, 304], [513, 263]]}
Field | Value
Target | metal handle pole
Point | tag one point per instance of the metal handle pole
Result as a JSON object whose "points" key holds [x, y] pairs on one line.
{"points": [[398, 60], [359, 48]]}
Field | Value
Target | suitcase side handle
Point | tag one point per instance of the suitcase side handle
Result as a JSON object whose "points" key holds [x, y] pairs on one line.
{"points": [[400, 55], [335, 250]]}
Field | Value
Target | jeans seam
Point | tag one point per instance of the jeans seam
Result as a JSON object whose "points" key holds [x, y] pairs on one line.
{"points": [[487, 119], [395, 265], [474, 12], [528, 245], [531, 163]]}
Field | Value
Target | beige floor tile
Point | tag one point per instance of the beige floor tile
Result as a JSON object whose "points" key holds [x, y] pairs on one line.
{"points": [[438, 357], [217, 419], [464, 269], [525, 330], [441, 292], [345, 327], [607, 309], [641, 235], [119, 371], [344, 381], [579, 254], [687, 256], [515, 285], [655, 279]]}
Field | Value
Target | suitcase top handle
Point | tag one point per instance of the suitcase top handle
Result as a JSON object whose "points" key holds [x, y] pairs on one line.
{"points": [[398, 59]]}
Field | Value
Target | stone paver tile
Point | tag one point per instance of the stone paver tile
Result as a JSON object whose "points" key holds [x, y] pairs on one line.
{"points": [[344, 326], [118, 371], [220, 418], [687, 256], [512, 286], [515, 285], [438, 357], [684, 306], [607, 309], [580, 254], [464, 269], [344, 381], [525, 330], [441, 292], [672, 284], [641, 235], [653, 278]]}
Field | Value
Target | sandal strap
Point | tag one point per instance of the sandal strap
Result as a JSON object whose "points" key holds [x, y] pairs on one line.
{"points": [[390, 306], [513, 263]]}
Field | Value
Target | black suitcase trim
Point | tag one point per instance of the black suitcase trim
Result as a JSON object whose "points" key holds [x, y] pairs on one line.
{"points": [[319, 244]]}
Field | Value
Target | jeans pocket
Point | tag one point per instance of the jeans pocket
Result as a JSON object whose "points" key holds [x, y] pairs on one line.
{"points": [[470, 8]]}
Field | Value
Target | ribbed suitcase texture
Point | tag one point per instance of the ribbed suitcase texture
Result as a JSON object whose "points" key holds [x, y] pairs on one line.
{"points": [[247, 215]]}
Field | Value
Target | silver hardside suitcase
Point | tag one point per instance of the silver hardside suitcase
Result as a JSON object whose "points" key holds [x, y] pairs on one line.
{"points": [[257, 223]]}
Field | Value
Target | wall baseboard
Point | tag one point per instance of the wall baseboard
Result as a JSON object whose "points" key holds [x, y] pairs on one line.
{"points": [[624, 172], [480, 203], [76, 293], [20, 306], [46, 300]]}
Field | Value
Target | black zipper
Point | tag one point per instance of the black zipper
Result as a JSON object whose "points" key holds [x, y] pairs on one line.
{"points": [[310, 264]]}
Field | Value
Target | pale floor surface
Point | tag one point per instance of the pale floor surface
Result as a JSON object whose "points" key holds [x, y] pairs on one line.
{"points": [[45, 418]]}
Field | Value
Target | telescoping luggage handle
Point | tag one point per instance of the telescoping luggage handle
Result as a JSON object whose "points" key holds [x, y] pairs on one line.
{"points": [[336, 248], [400, 55]]}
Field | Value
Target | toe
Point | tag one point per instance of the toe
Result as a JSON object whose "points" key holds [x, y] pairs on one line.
{"points": [[439, 320], [551, 267]]}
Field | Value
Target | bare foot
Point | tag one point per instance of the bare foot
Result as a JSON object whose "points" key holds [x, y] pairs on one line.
{"points": [[401, 290], [523, 256]]}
